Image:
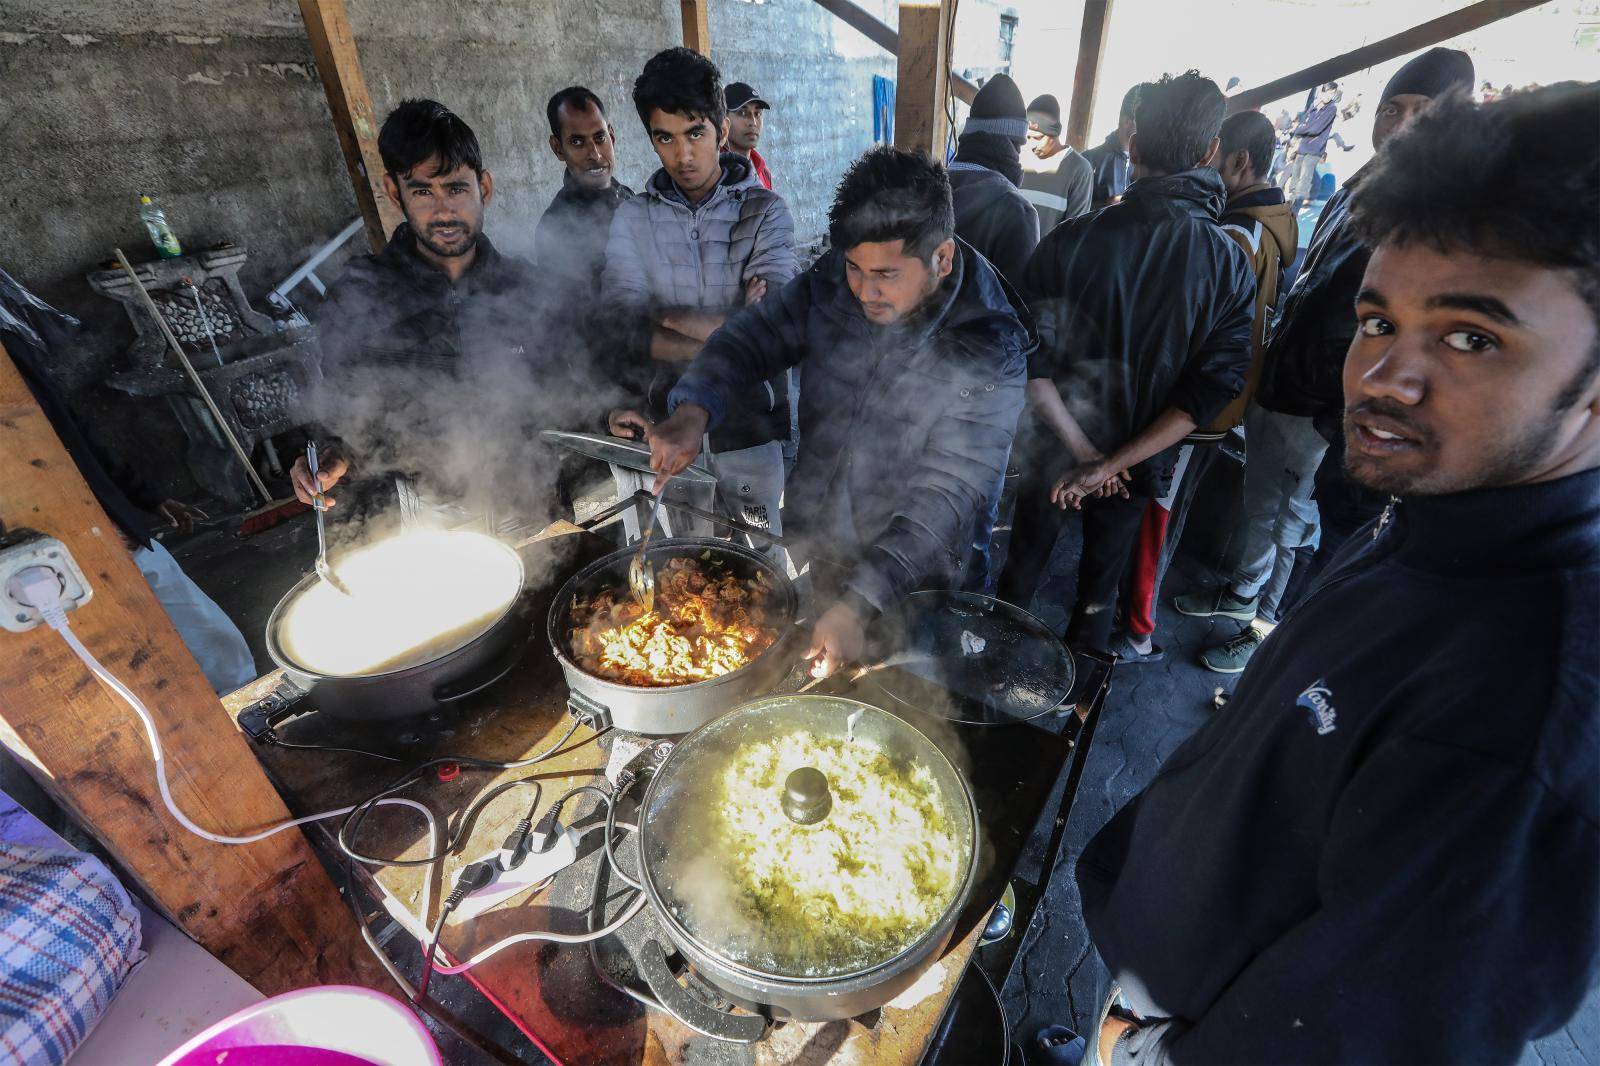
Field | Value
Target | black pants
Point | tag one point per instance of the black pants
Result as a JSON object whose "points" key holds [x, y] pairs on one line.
{"points": [[1110, 528]]}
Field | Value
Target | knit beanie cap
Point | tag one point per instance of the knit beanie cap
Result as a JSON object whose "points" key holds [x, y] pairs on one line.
{"points": [[998, 109], [1433, 73], [1045, 113]]}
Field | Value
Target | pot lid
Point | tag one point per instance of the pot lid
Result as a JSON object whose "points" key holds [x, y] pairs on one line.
{"points": [[630, 455], [807, 837], [972, 659]]}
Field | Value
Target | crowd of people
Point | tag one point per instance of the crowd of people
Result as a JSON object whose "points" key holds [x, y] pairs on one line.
{"points": [[1386, 846]]}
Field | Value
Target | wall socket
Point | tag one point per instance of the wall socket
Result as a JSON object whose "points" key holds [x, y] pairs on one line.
{"points": [[25, 549]]}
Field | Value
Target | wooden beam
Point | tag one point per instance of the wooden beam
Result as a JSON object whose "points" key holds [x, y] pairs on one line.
{"points": [[266, 910], [922, 79], [884, 36], [1434, 31], [333, 46], [1086, 79], [697, 25]]}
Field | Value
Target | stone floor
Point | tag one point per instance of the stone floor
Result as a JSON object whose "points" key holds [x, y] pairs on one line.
{"points": [[1152, 709]]}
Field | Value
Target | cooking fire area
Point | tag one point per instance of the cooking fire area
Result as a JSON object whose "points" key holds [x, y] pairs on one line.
{"points": [[636, 821]]}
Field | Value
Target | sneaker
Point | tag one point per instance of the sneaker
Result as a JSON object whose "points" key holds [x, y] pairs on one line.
{"points": [[1234, 656], [1216, 603]]}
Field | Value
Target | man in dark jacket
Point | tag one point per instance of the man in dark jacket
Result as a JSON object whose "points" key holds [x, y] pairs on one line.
{"points": [[1300, 383], [569, 244], [435, 355], [1308, 143], [992, 215], [1109, 158], [914, 362], [1388, 848], [1144, 314]]}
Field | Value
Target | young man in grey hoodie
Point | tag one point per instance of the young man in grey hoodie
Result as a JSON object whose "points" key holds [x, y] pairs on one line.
{"points": [[703, 239]]}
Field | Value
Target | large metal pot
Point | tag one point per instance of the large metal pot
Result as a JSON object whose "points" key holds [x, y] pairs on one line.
{"points": [[669, 710], [701, 845], [459, 668]]}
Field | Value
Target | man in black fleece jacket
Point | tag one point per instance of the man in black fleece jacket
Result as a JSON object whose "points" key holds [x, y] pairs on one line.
{"points": [[1387, 847], [1144, 312]]}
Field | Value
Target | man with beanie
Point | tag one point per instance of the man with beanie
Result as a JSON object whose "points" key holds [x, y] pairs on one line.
{"points": [[1387, 848], [1057, 180], [1109, 158], [992, 215], [1143, 313], [1300, 383]]}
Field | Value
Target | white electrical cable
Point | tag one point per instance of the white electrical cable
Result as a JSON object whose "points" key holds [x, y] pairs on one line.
{"points": [[558, 938], [56, 617]]}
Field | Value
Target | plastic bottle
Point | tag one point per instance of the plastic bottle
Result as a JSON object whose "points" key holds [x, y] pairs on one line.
{"points": [[161, 235]]}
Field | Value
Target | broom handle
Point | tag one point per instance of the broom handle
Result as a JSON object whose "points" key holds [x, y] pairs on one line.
{"points": [[194, 378]]}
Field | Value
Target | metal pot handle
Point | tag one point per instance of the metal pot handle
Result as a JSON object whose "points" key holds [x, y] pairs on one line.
{"points": [[701, 1017], [498, 668]]}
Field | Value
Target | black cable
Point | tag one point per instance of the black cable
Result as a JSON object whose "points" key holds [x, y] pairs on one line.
{"points": [[357, 817], [334, 747], [611, 855]]}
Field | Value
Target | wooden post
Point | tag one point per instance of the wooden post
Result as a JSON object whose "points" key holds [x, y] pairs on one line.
{"points": [[697, 25], [1086, 79], [922, 80], [266, 910], [1426, 35], [334, 48]]}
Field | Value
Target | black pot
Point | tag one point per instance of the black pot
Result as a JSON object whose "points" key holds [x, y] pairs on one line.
{"points": [[423, 688], [669, 710]]}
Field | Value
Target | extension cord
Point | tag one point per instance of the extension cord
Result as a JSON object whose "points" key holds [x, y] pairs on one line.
{"points": [[537, 867]]}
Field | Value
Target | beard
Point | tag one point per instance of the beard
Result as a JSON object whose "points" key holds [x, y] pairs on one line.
{"points": [[434, 244], [1509, 460]]}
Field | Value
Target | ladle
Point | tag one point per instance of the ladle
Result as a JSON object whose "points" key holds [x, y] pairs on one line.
{"points": [[324, 571]]}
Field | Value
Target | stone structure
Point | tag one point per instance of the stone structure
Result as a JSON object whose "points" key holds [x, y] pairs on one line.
{"points": [[216, 111]]}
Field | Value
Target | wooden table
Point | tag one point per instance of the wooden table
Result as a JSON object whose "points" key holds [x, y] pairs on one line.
{"points": [[551, 992]]}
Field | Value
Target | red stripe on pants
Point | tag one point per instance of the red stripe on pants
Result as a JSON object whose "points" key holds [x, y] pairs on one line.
{"points": [[1143, 567]]}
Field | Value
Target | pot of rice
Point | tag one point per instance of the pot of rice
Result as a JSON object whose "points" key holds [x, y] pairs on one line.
{"points": [[808, 855]]}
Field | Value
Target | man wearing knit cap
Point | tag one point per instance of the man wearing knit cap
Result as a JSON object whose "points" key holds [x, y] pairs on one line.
{"points": [[1300, 384], [1057, 180], [992, 215]]}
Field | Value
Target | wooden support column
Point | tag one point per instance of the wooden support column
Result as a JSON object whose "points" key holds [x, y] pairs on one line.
{"points": [[874, 30], [267, 910], [922, 79], [334, 48], [1086, 79], [697, 25], [1426, 35]]}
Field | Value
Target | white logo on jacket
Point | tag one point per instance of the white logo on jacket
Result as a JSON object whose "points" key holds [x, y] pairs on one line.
{"points": [[1318, 703]]}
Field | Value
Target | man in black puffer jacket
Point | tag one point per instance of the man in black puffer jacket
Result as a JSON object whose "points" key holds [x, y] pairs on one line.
{"points": [[1144, 313], [915, 354], [438, 358]]}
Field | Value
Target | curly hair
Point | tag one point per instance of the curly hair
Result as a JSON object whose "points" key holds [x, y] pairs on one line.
{"points": [[891, 194], [1177, 118], [680, 81]]}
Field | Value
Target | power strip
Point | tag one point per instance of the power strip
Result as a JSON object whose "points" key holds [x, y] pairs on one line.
{"points": [[537, 867]]}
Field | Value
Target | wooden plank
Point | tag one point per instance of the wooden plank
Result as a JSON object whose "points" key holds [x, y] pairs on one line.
{"points": [[1434, 31], [884, 36], [922, 79], [266, 910], [1086, 78], [333, 46], [697, 25]]}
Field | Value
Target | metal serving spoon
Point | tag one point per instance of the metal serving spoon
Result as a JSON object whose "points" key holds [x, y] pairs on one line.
{"points": [[324, 571], [641, 575]]}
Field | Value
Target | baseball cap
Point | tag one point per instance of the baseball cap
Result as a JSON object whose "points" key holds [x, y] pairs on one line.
{"points": [[739, 93]]}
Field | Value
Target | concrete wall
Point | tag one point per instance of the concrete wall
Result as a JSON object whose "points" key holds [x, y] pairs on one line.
{"points": [[214, 108]]}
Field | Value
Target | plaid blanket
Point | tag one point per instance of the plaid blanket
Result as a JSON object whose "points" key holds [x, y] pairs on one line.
{"points": [[69, 937]]}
